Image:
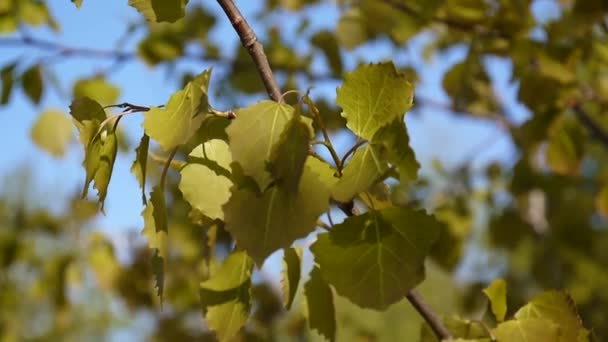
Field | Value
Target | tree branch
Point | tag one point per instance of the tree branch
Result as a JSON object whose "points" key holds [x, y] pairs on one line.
{"points": [[429, 316], [255, 49]]}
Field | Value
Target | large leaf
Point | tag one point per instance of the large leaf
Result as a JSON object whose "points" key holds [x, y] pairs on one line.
{"points": [[52, 132], [364, 169], [254, 134], [292, 265], [376, 258], [497, 294], [287, 158], [320, 301], [155, 230], [528, 330], [204, 185], [225, 296], [276, 218], [160, 10], [183, 115], [372, 96]]}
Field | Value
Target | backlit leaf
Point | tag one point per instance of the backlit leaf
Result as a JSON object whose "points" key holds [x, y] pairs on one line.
{"points": [[292, 261], [183, 115], [261, 225], [98, 89], [140, 164], [373, 96], [204, 186], [160, 10], [364, 169], [395, 139], [320, 301], [497, 294], [376, 258], [225, 297], [527, 330], [155, 231], [52, 132]]}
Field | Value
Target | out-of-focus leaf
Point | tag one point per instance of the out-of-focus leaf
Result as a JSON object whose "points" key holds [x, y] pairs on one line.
{"points": [[565, 150], [351, 31], [292, 261], [98, 89], [8, 78], [160, 10], [225, 297], [326, 41], [398, 151], [527, 330], [320, 301], [31, 81], [373, 96], [51, 132], [497, 294], [376, 258], [77, 3]]}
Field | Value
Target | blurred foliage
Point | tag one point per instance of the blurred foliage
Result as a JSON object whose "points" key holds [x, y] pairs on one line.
{"points": [[539, 223]]}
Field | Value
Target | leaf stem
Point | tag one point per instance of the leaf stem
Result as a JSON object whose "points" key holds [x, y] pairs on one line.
{"points": [[163, 175], [352, 150]]}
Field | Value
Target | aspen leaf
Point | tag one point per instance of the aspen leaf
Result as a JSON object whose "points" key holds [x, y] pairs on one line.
{"points": [[160, 10], [364, 169], [290, 276], [52, 132], [155, 231], [497, 294], [320, 301]]}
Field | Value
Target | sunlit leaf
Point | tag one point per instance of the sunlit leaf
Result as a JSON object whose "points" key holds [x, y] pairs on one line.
{"points": [[290, 276], [320, 301], [376, 258], [155, 231], [225, 297], [261, 225], [160, 10], [52, 132], [497, 294], [373, 96], [527, 330], [364, 169], [139, 166], [204, 186], [98, 89], [178, 121]]}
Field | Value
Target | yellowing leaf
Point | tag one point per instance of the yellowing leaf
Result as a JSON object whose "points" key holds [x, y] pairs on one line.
{"points": [[98, 89], [174, 125], [320, 301], [160, 10], [497, 294], [373, 96], [263, 224], [527, 330], [52, 132], [290, 277], [203, 187], [225, 296], [376, 258], [365, 168], [254, 134]]}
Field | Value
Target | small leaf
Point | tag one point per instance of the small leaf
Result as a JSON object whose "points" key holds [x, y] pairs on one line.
{"points": [[140, 163], [292, 261], [254, 134], [160, 10], [320, 301], [85, 108], [52, 132], [262, 224], [203, 187], [225, 297], [8, 79], [155, 231], [497, 294], [399, 153], [288, 156], [326, 41], [77, 3], [376, 258], [98, 89], [32, 83], [108, 149], [176, 124], [364, 170], [373, 96]]}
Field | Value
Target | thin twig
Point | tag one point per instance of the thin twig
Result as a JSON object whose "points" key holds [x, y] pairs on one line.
{"points": [[429, 316], [352, 150], [255, 49]]}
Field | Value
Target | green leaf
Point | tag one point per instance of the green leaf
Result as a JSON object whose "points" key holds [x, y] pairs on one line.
{"points": [[254, 134], [52, 132], [288, 156], [373, 96], [32, 83], [203, 187], [155, 231], [77, 3], [364, 170], [558, 308], [140, 165], [8, 79], [183, 115], [395, 139], [566, 148], [292, 261], [497, 294], [160, 10], [98, 89], [276, 218], [527, 330], [350, 30], [376, 258], [326, 41], [326, 173], [99, 161], [320, 301], [225, 297], [84, 108]]}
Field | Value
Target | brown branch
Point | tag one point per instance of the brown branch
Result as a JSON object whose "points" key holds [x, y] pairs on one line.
{"points": [[429, 316], [255, 49]]}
